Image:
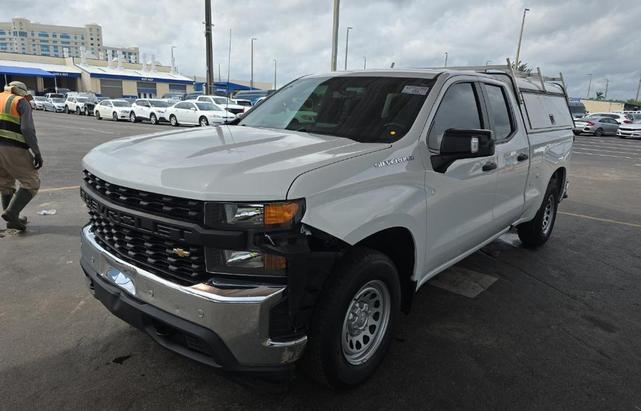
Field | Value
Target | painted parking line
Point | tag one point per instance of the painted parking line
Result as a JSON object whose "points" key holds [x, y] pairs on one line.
{"points": [[51, 190], [606, 149], [601, 155], [603, 220]]}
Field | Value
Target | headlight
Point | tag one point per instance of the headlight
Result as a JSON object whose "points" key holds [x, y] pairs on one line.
{"points": [[273, 214], [246, 263]]}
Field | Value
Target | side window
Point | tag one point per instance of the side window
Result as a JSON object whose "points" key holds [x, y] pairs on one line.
{"points": [[459, 108], [138, 102], [499, 112]]}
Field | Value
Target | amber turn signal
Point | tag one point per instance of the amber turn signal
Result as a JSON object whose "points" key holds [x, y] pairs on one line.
{"points": [[280, 213]]}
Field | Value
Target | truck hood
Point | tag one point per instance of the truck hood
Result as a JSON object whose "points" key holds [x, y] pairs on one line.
{"points": [[229, 163]]}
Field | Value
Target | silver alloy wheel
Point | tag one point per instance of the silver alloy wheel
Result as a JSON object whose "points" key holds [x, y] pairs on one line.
{"points": [[132, 117], [203, 122], [173, 120], [366, 322], [548, 214], [152, 119]]}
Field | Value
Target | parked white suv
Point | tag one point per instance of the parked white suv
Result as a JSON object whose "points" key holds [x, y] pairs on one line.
{"points": [[79, 105], [224, 102], [255, 245], [152, 110], [113, 109]]}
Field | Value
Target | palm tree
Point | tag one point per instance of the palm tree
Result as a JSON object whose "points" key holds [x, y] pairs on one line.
{"points": [[521, 67]]}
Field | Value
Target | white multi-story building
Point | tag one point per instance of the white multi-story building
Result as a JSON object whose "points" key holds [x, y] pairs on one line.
{"points": [[25, 37]]}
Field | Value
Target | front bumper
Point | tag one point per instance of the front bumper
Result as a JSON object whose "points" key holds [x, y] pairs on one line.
{"points": [[224, 328], [629, 133]]}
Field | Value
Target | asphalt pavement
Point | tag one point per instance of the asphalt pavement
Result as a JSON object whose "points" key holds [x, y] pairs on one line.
{"points": [[557, 328]]}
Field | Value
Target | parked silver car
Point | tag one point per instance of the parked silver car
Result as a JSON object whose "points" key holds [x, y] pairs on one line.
{"points": [[596, 125], [55, 104]]}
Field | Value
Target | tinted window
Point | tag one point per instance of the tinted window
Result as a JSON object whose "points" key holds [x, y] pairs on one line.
{"points": [[158, 103], [184, 105], [498, 112], [458, 109], [364, 109], [207, 106], [120, 103]]}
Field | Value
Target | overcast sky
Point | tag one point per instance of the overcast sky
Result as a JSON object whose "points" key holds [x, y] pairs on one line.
{"points": [[576, 37]]}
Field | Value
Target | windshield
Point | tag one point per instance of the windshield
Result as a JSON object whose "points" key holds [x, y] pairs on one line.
{"points": [[158, 103], [120, 103], [207, 106], [365, 109], [57, 100], [221, 100], [39, 98], [82, 99], [243, 102]]}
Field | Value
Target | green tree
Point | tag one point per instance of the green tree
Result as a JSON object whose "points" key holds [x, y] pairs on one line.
{"points": [[600, 95], [633, 102], [522, 67]]}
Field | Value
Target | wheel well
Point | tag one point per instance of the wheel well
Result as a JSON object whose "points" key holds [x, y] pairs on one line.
{"points": [[398, 244], [559, 178]]}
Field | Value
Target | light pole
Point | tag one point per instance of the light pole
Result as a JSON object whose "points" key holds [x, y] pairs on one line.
{"points": [[638, 90], [445, 65], [251, 80], [518, 48], [589, 85], [173, 61], [607, 84], [347, 45], [209, 54], [335, 20], [364, 62], [275, 62]]}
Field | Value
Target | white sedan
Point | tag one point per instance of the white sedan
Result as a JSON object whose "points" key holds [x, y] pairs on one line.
{"points": [[197, 113], [113, 109]]}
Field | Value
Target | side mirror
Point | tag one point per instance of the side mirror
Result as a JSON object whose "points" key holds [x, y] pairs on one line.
{"points": [[459, 144], [193, 109]]}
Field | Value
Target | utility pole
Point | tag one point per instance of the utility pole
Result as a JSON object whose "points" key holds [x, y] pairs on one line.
{"points": [[589, 85], [173, 61], [607, 84], [209, 46], [335, 21], [347, 45], [251, 80], [638, 90], [518, 48], [445, 65], [275, 63], [228, 64], [364, 62], [219, 73]]}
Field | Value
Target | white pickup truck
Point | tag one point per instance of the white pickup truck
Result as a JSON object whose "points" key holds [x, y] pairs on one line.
{"points": [[302, 231]]}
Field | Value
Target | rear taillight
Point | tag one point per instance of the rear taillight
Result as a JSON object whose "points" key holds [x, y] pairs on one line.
{"points": [[589, 123], [627, 121]]}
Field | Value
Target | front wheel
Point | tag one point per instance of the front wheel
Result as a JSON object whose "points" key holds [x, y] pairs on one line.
{"points": [[86, 111], [598, 132], [354, 320], [78, 111], [153, 119], [66, 110], [132, 117], [536, 232], [114, 116], [97, 115], [173, 120], [203, 122]]}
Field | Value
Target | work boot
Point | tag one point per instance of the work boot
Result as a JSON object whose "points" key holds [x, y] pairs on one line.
{"points": [[12, 213], [6, 200]]}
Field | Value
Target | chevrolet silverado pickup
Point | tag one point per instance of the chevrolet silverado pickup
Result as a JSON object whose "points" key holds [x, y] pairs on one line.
{"points": [[285, 239]]}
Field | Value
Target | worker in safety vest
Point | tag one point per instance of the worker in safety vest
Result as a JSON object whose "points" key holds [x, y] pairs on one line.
{"points": [[17, 163]]}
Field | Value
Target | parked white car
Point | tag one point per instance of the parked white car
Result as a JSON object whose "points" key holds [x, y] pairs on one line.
{"points": [[113, 109], [79, 105], [38, 102], [55, 104], [224, 102], [152, 110], [270, 241], [195, 112]]}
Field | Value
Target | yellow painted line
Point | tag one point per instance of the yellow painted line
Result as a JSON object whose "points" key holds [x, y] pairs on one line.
{"points": [[605, 220], [51, 190]]}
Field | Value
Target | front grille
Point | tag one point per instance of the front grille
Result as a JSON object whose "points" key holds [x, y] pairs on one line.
{"points": [[235, 110], [150, 251], [166, 206]]}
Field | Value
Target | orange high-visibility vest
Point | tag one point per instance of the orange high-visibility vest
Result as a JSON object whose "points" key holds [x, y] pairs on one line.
{"points": [[10, 118]]}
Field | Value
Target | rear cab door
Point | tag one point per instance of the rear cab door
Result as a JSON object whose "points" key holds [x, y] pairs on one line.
{"points": [[512, 151]]}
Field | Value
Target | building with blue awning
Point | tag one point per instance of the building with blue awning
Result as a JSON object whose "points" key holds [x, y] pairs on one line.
{"points": [[40, 74]]}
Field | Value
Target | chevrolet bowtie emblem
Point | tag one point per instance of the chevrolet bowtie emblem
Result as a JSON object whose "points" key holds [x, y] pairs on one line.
{"points": [[180, 252]]}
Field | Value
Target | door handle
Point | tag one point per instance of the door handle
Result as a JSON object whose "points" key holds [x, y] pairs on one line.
{"points": [[489, 166], [522, 157]]}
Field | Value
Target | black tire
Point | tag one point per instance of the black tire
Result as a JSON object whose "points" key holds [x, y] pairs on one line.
{"points": [[97, 115], [153, 119], [173, 120], [202, 121], [326, 359], [132, 117], [114, 116], [66, 109], [598, 132], [536, 232], [78, 111], [86, 111]]}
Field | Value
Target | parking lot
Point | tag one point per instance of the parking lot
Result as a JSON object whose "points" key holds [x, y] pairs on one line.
{"points": [[558, 329]]}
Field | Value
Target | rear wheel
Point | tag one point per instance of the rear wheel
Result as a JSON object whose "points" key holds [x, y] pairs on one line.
{"points": [[98, 115], [354, 320], [536, 232], [598, 132], [66, 109], [86, 111], [153, 119], [203, 121], [173, 120], [132, 117]]}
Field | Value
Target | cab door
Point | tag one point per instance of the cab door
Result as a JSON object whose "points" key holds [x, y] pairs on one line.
{"points": [[512, 152], [460, 200]]}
